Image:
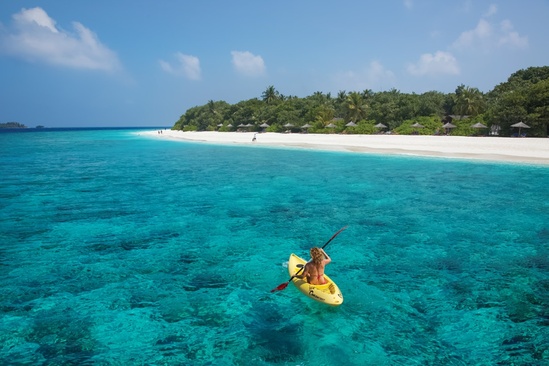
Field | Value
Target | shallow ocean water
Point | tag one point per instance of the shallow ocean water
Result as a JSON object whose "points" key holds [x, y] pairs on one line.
{"points": [[118, 248]]}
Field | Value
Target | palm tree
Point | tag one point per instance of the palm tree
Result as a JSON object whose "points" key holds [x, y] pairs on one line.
{"points": [[468, 101], [270, 95], [367, 94], [211, 106], [356, 107], [341, 96], [323, 115]]}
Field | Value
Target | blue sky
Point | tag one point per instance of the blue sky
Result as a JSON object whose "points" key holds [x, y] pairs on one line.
{"points": [[144, 63]]}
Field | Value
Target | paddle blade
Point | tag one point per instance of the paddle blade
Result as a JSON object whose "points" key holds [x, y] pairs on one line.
{"points": [[280, 287]]}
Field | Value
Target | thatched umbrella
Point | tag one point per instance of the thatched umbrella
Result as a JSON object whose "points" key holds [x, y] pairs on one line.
{"points": [[306, 127], [478, 125], [351, 124], [331, 125], [380, 125], [417, 125], [520, 125], [448, 126]]}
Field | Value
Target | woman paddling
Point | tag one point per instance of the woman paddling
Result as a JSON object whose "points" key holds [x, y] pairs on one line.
{"points": [[314, 269]]}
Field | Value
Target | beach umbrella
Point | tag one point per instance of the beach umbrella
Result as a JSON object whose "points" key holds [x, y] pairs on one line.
{"points": [[380, 125], [478, 125], [288, 127], [230, 125], [351, 124], [264, 125], [416, 125], [520, 126], [306, 125], [447, 126], [331, 125]]}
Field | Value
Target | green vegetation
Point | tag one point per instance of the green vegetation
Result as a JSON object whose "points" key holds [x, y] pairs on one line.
{"points": [[523, 97], [12, 125]]}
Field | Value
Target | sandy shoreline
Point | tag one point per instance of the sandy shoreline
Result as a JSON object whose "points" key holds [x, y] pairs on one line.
{"points": [[502, 149]]}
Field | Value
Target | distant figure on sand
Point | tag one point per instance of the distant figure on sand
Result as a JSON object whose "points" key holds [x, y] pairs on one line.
{"points": [[255, 134], [314, 269]]}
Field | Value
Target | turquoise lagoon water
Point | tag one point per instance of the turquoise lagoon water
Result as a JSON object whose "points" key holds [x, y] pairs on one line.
{"points": [[117, 248]]}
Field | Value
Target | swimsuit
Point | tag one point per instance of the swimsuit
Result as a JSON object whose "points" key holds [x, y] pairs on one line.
{"points": [[319, 278]]}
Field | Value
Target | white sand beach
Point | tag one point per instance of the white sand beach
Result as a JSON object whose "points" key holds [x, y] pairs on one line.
{"points": [[504, 149]]}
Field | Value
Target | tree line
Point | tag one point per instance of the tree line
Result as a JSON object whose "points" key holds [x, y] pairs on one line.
{"points": [[524, 97]]}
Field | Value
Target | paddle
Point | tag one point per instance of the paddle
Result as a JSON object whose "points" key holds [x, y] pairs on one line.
{"points": [[285, 284]]}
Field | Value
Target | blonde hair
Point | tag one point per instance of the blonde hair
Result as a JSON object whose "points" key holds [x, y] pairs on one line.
{"points": [[317, 255]]}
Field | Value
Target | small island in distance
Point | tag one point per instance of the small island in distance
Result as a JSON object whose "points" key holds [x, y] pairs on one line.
{"points": [[12, 125], [16, 125]]}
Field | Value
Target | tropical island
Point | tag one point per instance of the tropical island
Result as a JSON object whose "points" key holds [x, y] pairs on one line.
{"points": [[517, 107], [12, 125]]}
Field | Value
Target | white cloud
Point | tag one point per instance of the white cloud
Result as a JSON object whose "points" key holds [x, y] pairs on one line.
{"points": [[35, 37], [409, 4], [247, 63], [483, 31], [486, 36], [510, 37], [374, 76], [187, 65], [439, 63], [35, 15], [376, 73]]}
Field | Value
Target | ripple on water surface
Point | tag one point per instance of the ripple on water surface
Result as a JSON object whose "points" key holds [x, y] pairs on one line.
{"points": [[119, 249]]}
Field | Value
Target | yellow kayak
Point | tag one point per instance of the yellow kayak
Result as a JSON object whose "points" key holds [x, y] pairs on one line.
{"points": [[328, 293]]}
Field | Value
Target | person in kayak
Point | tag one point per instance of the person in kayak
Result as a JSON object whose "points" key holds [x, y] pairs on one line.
{"points": [[314, 269]]}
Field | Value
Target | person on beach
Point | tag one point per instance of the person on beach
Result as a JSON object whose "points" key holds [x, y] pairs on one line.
{"points": [[314, 269]]}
